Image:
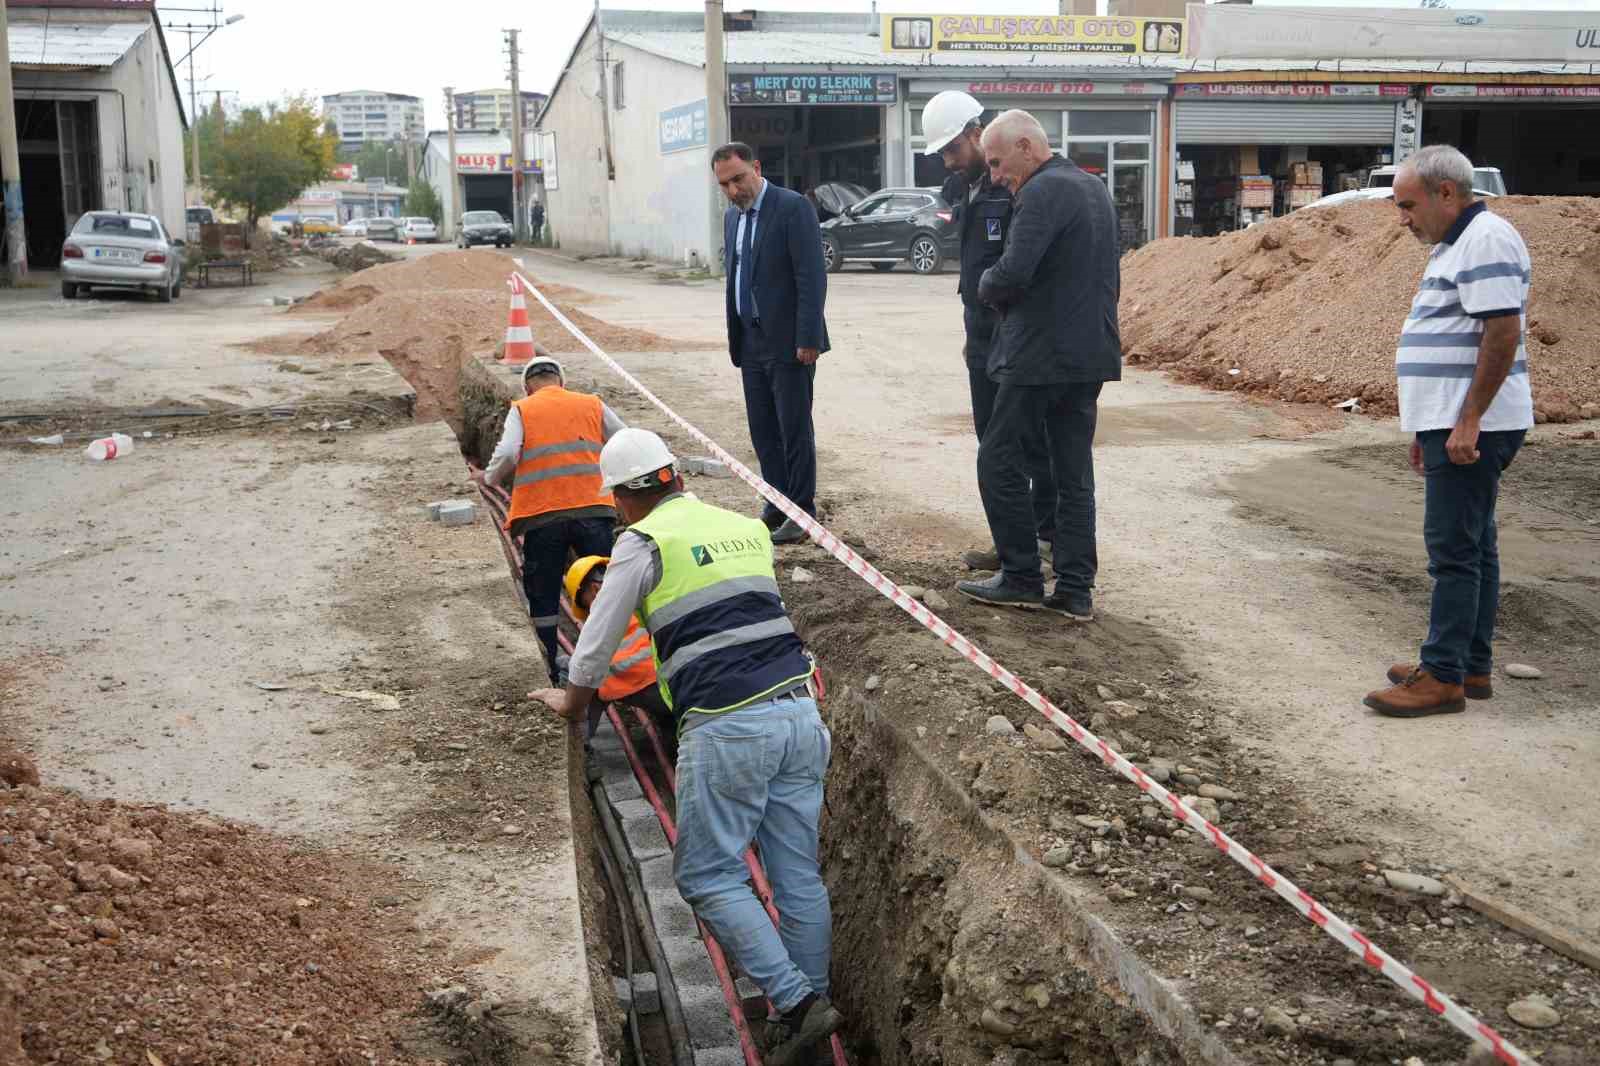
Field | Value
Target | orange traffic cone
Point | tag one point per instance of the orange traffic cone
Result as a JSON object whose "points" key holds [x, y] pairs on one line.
{"points": [[519, 335]]}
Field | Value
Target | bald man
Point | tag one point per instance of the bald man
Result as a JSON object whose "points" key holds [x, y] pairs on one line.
{"points": [[1056, 287]]}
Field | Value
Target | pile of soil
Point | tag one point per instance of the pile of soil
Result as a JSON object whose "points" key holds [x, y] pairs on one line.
{"points": [[140, 935], [1308, 307]]}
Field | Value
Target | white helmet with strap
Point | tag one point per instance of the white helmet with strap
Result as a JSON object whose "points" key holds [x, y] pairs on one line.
{"points": [[543, 364], [636, 459], [946, 116]]}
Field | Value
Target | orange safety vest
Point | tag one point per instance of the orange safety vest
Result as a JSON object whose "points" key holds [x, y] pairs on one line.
{"points": [[633, 667], [559, 469]]}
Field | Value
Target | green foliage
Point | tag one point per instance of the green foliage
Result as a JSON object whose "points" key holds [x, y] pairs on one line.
{"points": [[423, 202], [268, 156], [377, 158]]}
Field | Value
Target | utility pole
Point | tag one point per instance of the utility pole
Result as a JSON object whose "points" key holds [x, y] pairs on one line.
{"points": [[194, 125], [716, 122], [519, 225], [11, 167], [457, 208], [605, 95]]}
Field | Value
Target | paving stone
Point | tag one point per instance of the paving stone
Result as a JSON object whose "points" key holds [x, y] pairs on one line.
{"points": [[705, 1015], [458, 513], [642, 829]]}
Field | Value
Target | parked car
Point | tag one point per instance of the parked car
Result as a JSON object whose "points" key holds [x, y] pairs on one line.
{"points": [[1382, 192], [483, 227], [383, 229], [1486, 181], [832, 197], [418, 230], [892, 226], [356, 227], [121, 250], [317, 226], [199, 215]]}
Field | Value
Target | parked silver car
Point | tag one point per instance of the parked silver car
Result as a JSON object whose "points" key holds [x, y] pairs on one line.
{"points": [[122, 250]]}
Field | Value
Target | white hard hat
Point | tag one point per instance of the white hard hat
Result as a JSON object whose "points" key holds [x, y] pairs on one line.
{"points": [[636, 459], [946, 115], [545, 363]]}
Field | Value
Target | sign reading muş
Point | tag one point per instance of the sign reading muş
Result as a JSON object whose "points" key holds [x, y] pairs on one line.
{"points": [[1030, 33], [802, 88], [685, 126]]}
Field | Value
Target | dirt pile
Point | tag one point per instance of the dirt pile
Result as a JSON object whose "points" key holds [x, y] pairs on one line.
{"points": [[1308, 307], [140, 935]]}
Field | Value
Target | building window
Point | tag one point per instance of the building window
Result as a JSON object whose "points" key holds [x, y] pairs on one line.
{"points": [[616, 87]]}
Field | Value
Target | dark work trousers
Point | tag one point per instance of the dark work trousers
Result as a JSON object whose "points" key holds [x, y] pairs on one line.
{"points": [[777, 404], [1035, 458], [648, 700], [1463, 552], [545, 551], [1066, 414]]}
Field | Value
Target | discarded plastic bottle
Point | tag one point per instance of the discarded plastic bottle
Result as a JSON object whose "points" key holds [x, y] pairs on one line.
{"points": [[118, 444]]}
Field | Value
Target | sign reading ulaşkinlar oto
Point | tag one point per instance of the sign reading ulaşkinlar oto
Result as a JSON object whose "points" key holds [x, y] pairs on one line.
{"points": [[808, 88], [1032, 33]]}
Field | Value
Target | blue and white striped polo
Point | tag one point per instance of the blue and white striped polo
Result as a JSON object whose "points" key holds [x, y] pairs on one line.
{"points": [[1479, 270]]}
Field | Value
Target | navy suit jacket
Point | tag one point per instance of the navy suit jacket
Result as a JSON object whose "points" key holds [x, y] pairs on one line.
{"points": [[787, 278]]}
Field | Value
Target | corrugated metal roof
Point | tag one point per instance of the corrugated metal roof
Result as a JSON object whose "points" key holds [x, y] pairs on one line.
{"points": [[69, 45], [797, 49]]}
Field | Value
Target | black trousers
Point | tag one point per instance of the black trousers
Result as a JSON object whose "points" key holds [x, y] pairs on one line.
{"points": [[545, 551], [648, 700], [1066, 415], [777, 405], [1035, 457]]}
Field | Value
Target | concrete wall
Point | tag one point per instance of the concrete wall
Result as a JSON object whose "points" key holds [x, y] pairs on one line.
{"points": [[660, 205], [578, 211]]}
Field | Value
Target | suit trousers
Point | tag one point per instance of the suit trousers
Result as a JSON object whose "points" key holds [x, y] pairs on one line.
{"points": [[1035, 457], [777, 405]]}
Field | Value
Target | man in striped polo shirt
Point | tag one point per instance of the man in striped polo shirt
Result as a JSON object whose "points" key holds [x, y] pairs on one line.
{"points": [[1464, 392]]}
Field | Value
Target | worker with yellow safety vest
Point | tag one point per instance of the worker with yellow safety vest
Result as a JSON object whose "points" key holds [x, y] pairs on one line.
{"points": [[550, 448], [752, 750]]}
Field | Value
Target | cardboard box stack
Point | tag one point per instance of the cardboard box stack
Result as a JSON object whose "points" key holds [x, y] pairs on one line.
{"points": [[1305, 183]]}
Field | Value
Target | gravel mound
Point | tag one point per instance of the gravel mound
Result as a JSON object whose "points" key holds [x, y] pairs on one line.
{"points": [[141, 935], [1308, 308]]}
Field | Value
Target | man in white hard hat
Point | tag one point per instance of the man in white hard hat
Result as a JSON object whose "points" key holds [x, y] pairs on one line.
{"points": [[551, 442], [752, 749], [953, 124]]}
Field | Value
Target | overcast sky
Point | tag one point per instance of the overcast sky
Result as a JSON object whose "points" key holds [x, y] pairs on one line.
{"points": [[326, 46]]}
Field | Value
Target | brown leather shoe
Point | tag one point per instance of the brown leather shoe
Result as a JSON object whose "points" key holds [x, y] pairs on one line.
{"points": [[1478, 686], [1418, 696]]}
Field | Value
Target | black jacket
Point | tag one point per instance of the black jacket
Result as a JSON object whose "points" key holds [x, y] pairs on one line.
{"points": [[789, 283], [983, 224], [1057, 283]]}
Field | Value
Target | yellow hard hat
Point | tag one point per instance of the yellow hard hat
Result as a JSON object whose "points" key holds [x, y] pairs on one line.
{"points": [[575, 577]]}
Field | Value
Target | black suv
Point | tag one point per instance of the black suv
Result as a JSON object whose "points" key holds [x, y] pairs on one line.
{"points": [[892, 226], [483, 227]]}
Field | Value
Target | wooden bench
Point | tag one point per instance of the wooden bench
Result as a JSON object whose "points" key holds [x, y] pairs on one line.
{"points": [[246, 271]]}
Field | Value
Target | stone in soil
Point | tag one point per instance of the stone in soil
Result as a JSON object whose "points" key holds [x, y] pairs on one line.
{"points": [[1523, 672], [1407, 882], [1533, 1012], [801, 576], [1278, 1022], [935, 601], [1217, 792], [1045, 739], [999, 725]]}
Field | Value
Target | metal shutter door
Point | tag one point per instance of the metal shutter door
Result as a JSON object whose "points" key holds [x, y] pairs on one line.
{"points": [[1286, 122]]}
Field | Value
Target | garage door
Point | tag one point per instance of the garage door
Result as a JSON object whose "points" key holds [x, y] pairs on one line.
{"points": [[1288, 122]]}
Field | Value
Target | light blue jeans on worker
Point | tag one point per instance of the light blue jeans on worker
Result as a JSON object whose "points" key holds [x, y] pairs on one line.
{"points": [[755, 774]]}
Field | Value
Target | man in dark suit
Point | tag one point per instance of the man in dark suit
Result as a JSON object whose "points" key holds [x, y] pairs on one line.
{"points": [[776, 289]]}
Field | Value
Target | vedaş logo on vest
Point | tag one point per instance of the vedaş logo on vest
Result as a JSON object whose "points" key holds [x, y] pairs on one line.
{"points": [[706, 554]]}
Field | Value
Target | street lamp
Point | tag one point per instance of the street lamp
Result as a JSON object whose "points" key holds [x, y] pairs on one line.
{"points": [[189, 30]]}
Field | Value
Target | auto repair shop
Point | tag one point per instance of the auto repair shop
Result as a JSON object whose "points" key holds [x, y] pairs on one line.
{"points": [[1544, 138], [483, 162], [99, 119]]}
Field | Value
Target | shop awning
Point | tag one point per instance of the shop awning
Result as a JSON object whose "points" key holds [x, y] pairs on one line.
{"points": [[64, 45]]}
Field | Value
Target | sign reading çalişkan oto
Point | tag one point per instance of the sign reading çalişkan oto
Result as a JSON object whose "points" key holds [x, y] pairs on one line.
{"points": [[973, 32], [805, 88], [683, 127]]}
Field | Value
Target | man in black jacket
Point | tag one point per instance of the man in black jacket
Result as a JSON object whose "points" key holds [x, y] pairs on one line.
{"points": [[952, 123], [1056, 284], [776, 289]]}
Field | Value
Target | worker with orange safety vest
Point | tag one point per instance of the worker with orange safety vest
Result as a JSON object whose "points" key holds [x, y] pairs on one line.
{"points": [[550, 448], [631, 678]]}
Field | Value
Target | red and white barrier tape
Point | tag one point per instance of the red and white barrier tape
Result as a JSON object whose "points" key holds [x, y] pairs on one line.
{"points": [[1342, 931]]}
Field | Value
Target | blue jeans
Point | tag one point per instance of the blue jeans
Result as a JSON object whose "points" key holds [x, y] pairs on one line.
{"points": [[1463, 552], [756, 774]]}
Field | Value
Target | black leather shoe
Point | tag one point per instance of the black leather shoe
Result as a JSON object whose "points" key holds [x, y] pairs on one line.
{"points": [[1002, 593], [788, 533], [772, 520]]}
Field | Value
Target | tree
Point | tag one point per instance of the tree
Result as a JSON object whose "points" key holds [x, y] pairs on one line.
{"points": [[377, 158], [422, 201], [269, 155]]}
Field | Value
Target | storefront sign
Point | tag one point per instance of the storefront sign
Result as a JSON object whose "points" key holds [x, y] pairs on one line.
{"points": [[1031, 33], [120, 5], [982, 89], [343, 171], [1262, 90], [491, 163], [1514, 92], [683, 127], [805, 88], [1238, 31]]}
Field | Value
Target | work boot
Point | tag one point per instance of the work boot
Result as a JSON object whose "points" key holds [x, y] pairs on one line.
{"points": [[1418, 696], [789, 533], [1478, 686], [800, 1042], [989, 559], [999, 591], [1076, 604]]}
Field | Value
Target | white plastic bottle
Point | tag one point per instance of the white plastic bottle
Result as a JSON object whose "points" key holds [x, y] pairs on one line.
{"points": [[112, 447]]}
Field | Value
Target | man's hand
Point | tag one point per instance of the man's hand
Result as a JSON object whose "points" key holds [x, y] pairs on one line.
{"points": [[1462, 447], [553, 698], [478, 476], [806, 356], [1416, 456]]}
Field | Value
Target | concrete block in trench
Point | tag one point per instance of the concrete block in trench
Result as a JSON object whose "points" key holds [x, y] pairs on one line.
{"points": [[705, 1015], [642, 829], [642, 995], [672, 916], [719, 1056], [458, 513], [704, 466]]}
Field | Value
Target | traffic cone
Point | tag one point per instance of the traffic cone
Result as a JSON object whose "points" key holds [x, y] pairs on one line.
{"points": [[519, 335]]}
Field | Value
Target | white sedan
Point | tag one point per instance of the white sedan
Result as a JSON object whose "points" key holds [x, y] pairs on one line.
{"points": [[1383, 193], [356, 227], [418, 230]]}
